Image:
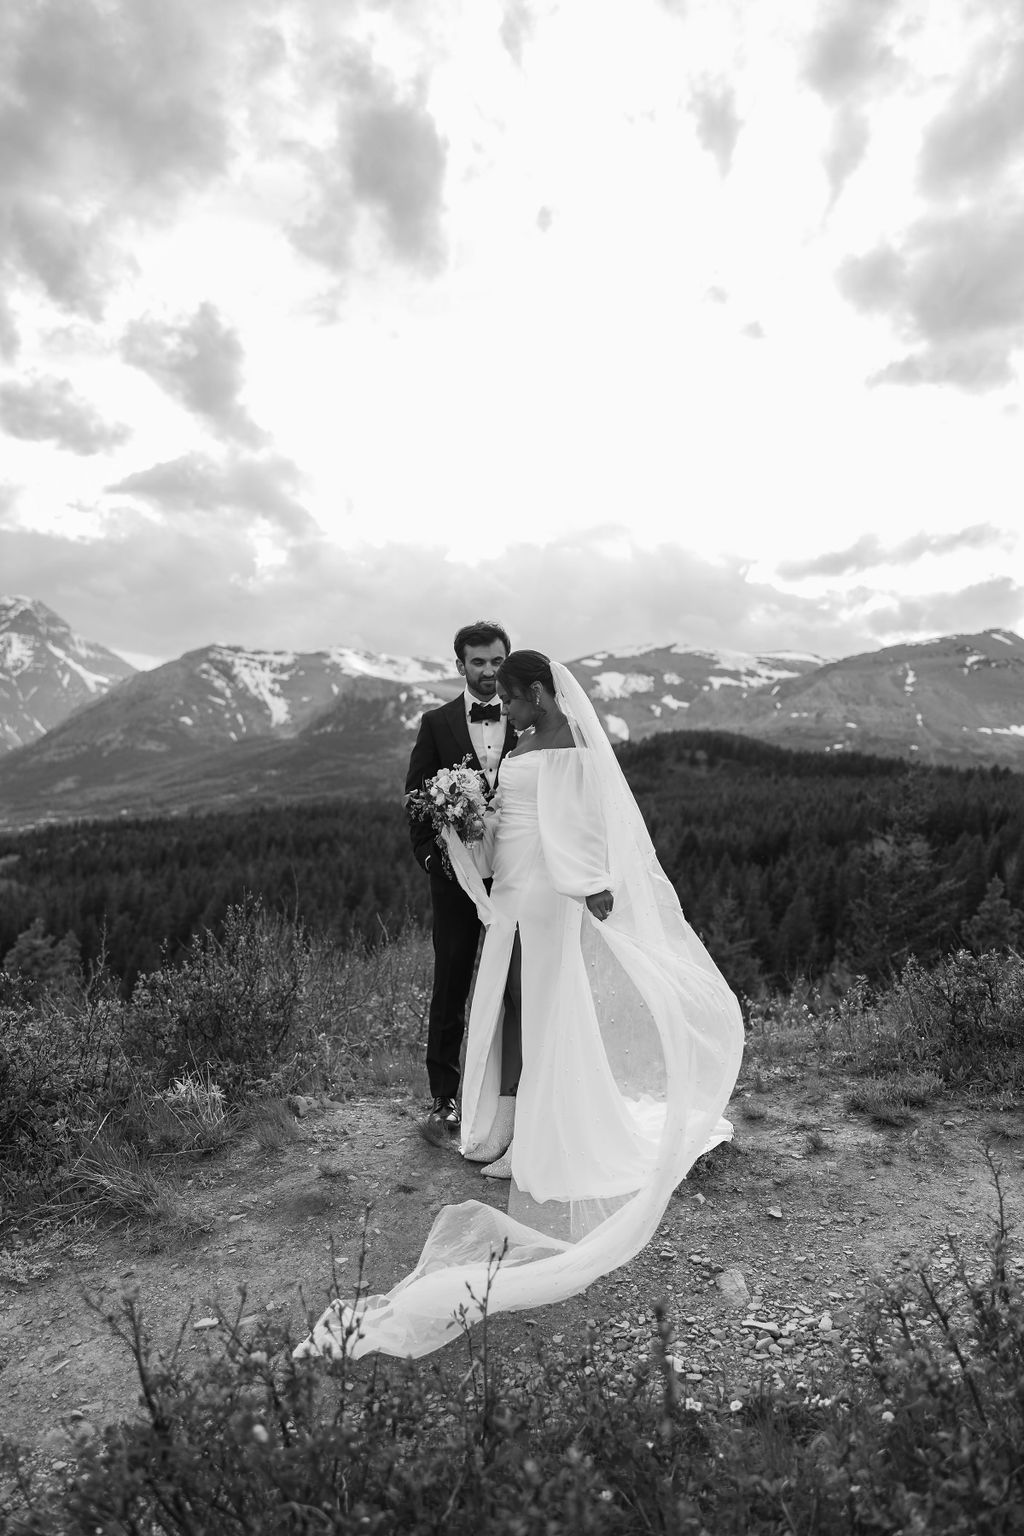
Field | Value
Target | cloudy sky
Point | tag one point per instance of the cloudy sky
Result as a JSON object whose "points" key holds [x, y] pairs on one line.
{"points": [[344, 321]]}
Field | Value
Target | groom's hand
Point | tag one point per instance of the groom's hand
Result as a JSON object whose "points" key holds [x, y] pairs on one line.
{"points": [[600, 905]]}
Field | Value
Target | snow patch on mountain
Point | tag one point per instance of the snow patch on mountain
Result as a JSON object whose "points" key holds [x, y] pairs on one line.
{"points": [[395, 669], [16, 653], [259, 671], [94, 681], [620, 685]]}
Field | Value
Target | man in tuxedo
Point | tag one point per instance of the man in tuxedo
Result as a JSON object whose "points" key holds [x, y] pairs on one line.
{"points": [[470, 725]]}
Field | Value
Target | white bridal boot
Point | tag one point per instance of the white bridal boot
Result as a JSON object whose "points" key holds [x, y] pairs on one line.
{"points": [[502, 1169], [499, 1137]]}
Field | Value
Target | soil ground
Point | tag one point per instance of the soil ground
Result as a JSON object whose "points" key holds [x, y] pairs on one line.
{"points": [[809, 1202]]}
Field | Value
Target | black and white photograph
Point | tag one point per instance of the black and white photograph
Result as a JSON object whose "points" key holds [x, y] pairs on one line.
{"points": [[511, 767]]}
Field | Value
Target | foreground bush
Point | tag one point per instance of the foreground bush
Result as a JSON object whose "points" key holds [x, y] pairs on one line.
{"points": [[963, 1019], [924, 1438], [93, 1083]]}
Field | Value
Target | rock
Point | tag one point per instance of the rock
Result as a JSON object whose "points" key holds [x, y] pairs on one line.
{"points": [[775, 1213], [825, 1323], [762, 1325], [733, 1287], [204, 1323]]}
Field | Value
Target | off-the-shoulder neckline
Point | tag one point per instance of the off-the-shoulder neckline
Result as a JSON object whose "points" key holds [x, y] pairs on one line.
{"points": [[532, 750]]}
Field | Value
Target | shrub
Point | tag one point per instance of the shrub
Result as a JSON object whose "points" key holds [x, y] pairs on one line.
{"points": [[233, 1006], [263, 1012], [61, 1070], [963, 1019], [923, 1435]]}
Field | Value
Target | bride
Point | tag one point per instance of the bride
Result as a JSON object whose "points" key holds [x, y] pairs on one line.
{"points": [[631, 1040]]}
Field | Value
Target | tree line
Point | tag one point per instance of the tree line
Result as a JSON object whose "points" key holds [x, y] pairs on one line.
{"points": [[787, 863]]}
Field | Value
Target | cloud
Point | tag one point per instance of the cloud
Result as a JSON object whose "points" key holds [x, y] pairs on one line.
{"points": [[974, 368], [108, 110], [868, 551], [847, 54], [993, 604], [386, 160], [47, 410], [954, 286], [162, 587], [10, 341], [979, 135], [200, 363], [847, 62], [847, 147], [397, 162], [68, 255], [516, 29], [247, 486], [718, 122]]}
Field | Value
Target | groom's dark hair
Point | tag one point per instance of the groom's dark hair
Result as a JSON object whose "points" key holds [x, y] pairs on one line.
{"points": [[481, 632], [525, 667]]}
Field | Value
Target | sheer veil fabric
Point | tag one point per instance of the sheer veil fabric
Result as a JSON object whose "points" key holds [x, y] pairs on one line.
{"points": [[631, 1046]]}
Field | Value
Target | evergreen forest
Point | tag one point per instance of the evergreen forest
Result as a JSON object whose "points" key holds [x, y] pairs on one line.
{"points": [[789, 864]]}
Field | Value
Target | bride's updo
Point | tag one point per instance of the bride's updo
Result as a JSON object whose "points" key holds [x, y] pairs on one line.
{"points": [[520, 669]]}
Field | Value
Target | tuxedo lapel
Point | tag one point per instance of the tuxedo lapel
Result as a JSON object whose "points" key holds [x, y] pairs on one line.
{"points": [[455, 716], [510, 740]]}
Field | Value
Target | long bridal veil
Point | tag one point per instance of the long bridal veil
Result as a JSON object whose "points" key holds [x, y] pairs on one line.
{"points": [[667, 1029]]}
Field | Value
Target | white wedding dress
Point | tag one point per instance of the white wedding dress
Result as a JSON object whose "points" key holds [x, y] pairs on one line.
{"points": [[631, 1045]]}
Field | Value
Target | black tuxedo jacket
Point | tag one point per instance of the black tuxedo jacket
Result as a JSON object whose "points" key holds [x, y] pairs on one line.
{"points": [[442, 742]]}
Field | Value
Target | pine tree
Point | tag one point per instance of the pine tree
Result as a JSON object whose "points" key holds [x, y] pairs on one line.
{"points": [[996, 924], [42, 960]]}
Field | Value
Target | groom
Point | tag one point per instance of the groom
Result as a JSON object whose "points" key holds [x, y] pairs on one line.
{"points": [[470, 725]]}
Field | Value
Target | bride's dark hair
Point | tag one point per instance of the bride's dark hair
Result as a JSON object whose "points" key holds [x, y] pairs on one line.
{"points": [[521, 668]]}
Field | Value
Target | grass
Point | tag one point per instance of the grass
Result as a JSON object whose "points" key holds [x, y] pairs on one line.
{"points": [[270, 1123], [110, 1178], [888, 1101]]}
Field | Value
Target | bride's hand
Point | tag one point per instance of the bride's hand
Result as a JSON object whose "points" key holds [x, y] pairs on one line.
{"points": [[600, 905]]}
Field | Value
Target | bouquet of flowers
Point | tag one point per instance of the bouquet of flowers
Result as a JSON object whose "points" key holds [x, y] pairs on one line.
{"points": [[454, 801]]}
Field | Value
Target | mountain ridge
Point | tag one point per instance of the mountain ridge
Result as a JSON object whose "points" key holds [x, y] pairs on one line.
{"points": [[47, 671], [223, 725]]}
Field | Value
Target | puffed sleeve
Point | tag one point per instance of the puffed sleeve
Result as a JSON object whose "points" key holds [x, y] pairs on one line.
{"points": [[572, 830]]}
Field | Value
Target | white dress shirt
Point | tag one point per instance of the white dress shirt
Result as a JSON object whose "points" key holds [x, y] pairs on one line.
{"points": [[487, 736]]}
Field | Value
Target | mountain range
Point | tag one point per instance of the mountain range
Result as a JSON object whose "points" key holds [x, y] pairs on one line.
{"points": [[222, 726], [46, 671]]}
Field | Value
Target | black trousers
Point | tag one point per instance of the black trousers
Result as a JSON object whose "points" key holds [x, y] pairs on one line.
{"points": [[456, 938]]}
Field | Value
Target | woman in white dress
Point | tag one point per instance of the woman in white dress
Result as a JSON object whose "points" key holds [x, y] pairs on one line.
{"points": [[631, 1040]]}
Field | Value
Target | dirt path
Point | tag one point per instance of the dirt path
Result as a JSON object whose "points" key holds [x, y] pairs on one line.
{"points": [[807, 1202]]}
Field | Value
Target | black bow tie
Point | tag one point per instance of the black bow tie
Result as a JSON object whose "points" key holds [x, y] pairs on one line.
{"points": [[491, 712]]}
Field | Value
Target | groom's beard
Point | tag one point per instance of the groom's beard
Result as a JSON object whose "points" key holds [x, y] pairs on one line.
{"points": [[485, 688]]}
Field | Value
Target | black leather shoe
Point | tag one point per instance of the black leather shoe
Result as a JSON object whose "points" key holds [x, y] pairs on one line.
{"points": [[447, 1112]]}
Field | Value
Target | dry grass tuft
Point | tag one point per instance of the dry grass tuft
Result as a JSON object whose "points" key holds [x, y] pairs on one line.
{"points": [[271, 1124]]}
